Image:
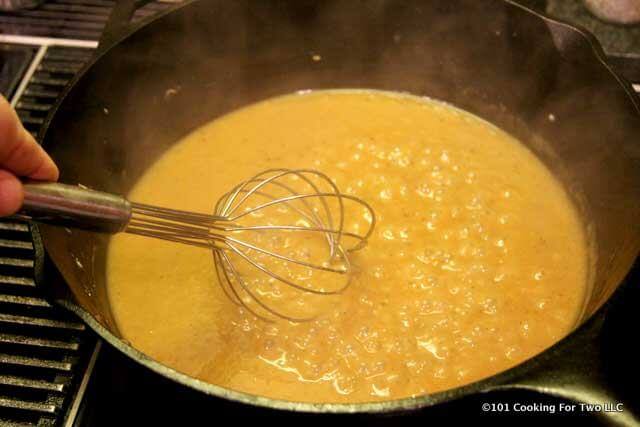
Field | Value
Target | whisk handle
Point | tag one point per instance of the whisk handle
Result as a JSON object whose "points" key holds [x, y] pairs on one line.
{"points": [[74, 206]]}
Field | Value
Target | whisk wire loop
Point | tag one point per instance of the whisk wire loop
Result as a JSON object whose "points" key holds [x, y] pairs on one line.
{"points": [[308, 202]]}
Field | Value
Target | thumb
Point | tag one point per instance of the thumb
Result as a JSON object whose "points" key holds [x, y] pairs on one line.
{"points": [[11, 193]]}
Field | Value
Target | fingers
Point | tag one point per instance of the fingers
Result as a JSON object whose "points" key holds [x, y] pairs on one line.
{"points": [[19, 151], [11, 193]]}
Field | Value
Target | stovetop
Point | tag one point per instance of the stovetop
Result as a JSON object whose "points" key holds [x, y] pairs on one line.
{"points": [[68, 19], [54, 371]]}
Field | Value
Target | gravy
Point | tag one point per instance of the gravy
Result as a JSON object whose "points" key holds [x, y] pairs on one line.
{"points": [[478, 260]]}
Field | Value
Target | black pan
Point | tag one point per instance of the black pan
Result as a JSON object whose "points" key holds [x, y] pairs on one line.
{"points": [[530, 75]]}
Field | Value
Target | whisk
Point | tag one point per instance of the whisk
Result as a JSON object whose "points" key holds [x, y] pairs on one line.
{"points": [[290, 227]]}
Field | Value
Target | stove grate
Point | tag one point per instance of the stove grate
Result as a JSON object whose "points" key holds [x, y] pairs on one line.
{"points": [[44, 350], [69, 19]]}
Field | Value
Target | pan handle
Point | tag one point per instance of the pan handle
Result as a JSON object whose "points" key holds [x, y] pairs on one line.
{"points": [[119, 22], [587, 367]]}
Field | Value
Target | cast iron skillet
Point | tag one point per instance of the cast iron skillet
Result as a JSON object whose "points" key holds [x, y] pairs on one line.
{"points": [[540, 79]]}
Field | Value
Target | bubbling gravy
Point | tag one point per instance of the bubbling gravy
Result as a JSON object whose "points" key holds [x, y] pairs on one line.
{"points": [[478, 260]]}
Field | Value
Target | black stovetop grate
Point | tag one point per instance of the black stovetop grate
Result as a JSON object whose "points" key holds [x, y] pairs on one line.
{"points": [[44, 350], [70, 19]]}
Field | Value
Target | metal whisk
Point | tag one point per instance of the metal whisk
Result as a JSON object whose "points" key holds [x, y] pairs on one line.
{"points": [[281, 227]]}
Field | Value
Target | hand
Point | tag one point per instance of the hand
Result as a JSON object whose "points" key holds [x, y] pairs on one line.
{"points": [[20, 156]]}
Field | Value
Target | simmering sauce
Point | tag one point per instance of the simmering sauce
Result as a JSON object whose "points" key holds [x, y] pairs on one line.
{"points": [[478, 260]]}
